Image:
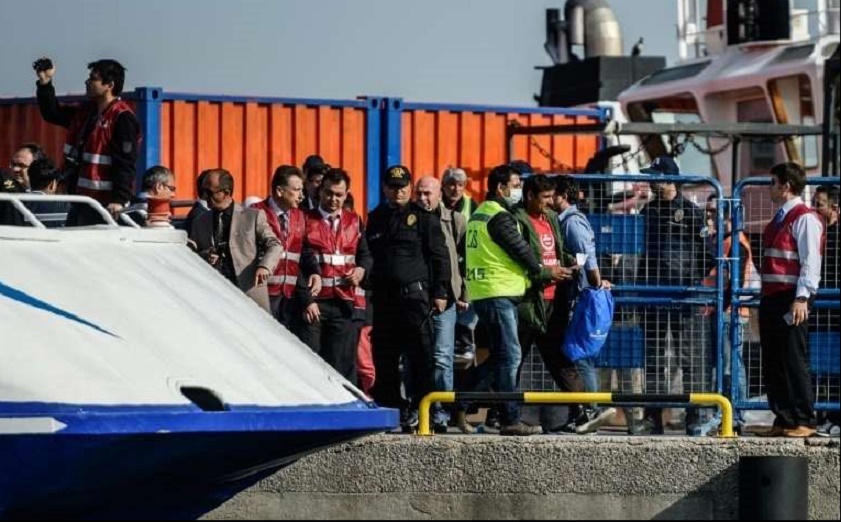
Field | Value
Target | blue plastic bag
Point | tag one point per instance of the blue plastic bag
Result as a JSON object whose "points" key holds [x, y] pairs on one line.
{"points": [[590, 324]]}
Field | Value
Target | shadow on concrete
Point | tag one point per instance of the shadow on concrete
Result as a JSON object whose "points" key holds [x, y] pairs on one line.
{"points": [[167, 502], [717, 499]]}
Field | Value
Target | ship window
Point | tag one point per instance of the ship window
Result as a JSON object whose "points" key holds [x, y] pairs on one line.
{"points": [[675, 73], [758, 155], [692, 160], [676, 109], [795, 53], [792, 102]]}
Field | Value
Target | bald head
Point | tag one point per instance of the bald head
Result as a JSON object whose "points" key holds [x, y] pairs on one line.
{"points": [[218, 188], [428, 192]]}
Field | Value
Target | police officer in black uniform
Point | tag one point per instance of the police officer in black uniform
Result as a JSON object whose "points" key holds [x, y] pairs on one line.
{"points": [[410, 283], [675, 256]]}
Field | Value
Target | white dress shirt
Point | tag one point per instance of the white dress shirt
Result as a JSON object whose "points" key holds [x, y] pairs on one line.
{"points": [[326, 215]]}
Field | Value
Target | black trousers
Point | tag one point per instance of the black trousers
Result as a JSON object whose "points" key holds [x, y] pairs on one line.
{"points": [[288, 312], [563, 371], [402, 325], [785, 363], [334, 337]]}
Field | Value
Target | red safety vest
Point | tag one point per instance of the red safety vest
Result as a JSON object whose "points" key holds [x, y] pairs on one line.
{"points": [[780, 260], [95, 168], [286, 274], [336, 254]]}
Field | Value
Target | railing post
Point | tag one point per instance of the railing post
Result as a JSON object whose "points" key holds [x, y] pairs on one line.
{"points": [[148, 101]]}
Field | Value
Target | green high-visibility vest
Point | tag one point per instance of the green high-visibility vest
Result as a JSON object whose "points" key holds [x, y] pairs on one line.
{"points": [[490, 270], [467, 208]]}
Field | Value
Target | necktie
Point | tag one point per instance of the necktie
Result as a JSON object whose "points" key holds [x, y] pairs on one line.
{"points": [[778, 217], [219, 234]]}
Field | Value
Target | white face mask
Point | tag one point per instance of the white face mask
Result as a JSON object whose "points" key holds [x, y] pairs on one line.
{"points": [[515, 196]]}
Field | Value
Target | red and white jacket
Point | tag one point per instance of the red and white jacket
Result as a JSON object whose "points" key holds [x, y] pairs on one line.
{"points": [[288, 270], [336, 254], [95, 168], [780, 259]]}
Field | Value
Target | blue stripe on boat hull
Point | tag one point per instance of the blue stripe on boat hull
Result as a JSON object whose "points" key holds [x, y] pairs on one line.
{"points": [[94, 470]]}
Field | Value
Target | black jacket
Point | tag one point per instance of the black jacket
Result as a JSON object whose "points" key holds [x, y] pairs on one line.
{"points": [[408, 246], [675, 253]]}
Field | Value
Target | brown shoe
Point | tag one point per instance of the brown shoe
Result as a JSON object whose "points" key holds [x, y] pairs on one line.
{"points": [[775, 431], [520, 429], [799, 432], [462, 424]]}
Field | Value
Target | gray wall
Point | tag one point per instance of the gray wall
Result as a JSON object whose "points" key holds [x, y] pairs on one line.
{"points": [[544, 477]]}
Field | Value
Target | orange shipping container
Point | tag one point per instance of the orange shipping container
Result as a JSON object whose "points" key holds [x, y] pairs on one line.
{"points": [[435, 137], [252, 136]]}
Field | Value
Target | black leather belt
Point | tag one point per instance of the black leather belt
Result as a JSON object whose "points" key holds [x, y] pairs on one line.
{"points": [[417, 286]]}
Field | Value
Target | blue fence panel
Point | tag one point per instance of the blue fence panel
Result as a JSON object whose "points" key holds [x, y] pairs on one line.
{"points": [[618, 234], [752, 210]]}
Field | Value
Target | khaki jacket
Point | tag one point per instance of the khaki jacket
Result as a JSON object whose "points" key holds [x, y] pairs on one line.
{"points": [[252, 244], [454, 227]]}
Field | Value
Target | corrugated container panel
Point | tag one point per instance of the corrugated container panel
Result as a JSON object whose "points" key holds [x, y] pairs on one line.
{"points": [[252, 137], [434, 137], [21, 122]]}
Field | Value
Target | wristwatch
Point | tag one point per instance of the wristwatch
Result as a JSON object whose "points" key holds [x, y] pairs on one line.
{"points": [[801, 299]]}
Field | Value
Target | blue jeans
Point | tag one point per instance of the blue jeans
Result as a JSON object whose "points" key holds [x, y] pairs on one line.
{"points": [[587, 370], [445, 335], [499, 315], [468, 317]]}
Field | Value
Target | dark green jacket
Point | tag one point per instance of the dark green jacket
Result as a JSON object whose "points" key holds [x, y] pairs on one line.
{"points": [[532, 309]]}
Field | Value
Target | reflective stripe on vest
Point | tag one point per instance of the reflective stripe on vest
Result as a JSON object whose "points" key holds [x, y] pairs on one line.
{"points": [[283, 280], [96, 159], [780, 260], [291, 256], [777, 278], [336, 259], [94, 185], [781, 254], [490, 270]]}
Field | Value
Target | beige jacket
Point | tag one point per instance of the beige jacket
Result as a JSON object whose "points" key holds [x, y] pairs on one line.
{"points": [[252, 244], [455, 226]]}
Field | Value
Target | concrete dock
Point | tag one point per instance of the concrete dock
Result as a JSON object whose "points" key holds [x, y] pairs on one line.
{"points": [[540, 477]]}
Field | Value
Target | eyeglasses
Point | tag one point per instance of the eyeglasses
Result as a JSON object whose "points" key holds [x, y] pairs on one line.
{"points": [[18, 165], [208, 193]]}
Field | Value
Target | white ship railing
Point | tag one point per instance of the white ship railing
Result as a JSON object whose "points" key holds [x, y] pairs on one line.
{"points": [[17, 201]]}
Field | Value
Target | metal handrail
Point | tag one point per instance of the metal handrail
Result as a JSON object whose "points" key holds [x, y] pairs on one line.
{"points": [[627, 400], [17, 201]]}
